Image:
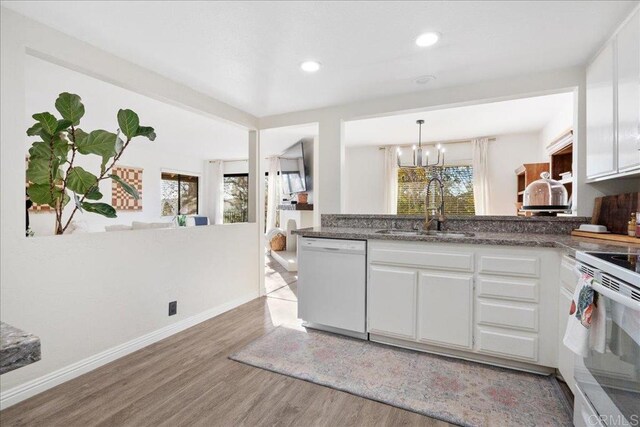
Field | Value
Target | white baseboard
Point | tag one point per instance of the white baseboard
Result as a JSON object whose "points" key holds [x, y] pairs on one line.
{"points": [[38, 385]]}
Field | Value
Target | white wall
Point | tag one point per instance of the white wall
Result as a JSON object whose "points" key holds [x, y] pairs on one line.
{"points": [[364, 179], [184, 139], [87, 294], [562, 121], [507, 153], [364, 169]]}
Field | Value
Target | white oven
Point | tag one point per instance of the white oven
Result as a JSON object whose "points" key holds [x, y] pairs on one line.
{"points": [[609, 383]]}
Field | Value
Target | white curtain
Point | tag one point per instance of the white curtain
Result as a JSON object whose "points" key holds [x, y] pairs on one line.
{"points": [[480, 163], [391, 180], [273, 193], [215, 201]]}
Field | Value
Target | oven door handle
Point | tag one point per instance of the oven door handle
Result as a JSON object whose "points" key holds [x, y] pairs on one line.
{"points": [[624, 300]]}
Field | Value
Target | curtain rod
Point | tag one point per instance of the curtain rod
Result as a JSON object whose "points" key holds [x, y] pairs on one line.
{"points": [[451, 141]]}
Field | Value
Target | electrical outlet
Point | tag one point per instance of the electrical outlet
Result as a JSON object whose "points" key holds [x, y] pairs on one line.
{"points": [[173, 308]]}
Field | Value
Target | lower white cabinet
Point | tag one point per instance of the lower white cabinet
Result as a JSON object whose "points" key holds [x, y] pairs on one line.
{"points": [[507, 343], [391, 301], [445, 309], [492, 301]]}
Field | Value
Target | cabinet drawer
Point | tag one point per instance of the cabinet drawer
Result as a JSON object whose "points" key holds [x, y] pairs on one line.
{"points": [[455, 261], [568, 277], [507, 343], [509, 265], [512, 289], [509, 315]]}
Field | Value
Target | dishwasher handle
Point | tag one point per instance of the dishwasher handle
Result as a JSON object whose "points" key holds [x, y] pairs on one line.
{"points": [[334, 245]]}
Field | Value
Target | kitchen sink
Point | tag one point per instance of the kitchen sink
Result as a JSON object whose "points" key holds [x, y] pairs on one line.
{"points": [[447, 233], [400, 232], [435, 233]]}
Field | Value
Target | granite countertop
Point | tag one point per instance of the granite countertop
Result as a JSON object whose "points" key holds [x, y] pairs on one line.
{"points": [[567, 243], [17, 348]]}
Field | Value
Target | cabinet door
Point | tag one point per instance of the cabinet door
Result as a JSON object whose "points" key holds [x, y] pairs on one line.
{"points": [[445, 307], [565, 356], [391, 294], [629, 95], [601, 157]]}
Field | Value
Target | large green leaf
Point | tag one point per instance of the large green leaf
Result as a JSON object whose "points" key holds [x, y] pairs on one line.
{"points": [[41, 194], [126, 186], [79, 180], [35, 130], [39, 170], [39, 150], [42, 150], [128, 122], [98, 142], [48, 121], [79, 135], [93, 194], [62, 125], [100, 208], [70, 107], [147, 131]]}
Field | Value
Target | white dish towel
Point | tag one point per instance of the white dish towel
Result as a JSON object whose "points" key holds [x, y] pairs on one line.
{"points": [[586, 327]]}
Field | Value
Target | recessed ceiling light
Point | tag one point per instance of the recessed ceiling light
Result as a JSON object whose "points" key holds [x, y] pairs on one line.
{"points": [[427, 39], [310, 66], [422, 80]]}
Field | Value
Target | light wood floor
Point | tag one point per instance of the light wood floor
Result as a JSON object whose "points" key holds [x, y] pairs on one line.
{"points": [[187, 380]]}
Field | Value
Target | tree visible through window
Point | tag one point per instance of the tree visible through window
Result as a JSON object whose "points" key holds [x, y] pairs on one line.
{"points": [[236, 198], [458, 190], [179, 194]]}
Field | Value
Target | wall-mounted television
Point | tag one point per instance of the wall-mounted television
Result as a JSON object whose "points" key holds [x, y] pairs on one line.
{"points": [[295, 167]]}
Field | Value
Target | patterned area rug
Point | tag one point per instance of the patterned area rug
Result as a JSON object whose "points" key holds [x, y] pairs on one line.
{"points": [[457, 391]]}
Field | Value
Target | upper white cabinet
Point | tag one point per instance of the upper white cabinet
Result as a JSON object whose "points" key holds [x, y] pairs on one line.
{"points": [[600, 115], [629, 95], [613, 105]]}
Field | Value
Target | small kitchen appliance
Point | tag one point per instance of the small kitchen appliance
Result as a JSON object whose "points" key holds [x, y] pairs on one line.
{"points": [[545, 196]]}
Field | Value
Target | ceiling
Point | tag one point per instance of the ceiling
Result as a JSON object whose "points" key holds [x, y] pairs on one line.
{"points": [[247, 54], [275, 141], [497, 118]]}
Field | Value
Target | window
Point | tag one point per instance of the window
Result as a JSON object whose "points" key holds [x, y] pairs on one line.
{"points": [[458, 190], [179, 194], [236, 198]]}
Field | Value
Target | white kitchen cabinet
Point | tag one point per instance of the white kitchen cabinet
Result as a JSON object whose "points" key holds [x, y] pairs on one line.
{"points": [[628, 54], [478, 302], [601, 143], [391, 301], [507, 343], [445, 309]]}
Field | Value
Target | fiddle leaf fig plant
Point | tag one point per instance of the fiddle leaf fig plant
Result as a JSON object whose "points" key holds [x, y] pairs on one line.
{"points": [[54, 176]]}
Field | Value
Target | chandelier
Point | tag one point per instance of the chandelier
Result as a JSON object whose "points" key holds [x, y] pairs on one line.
{"points": [[420, 156]]}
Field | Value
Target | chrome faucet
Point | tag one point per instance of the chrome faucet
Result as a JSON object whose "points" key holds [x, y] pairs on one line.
{"points": [[430, 211]]}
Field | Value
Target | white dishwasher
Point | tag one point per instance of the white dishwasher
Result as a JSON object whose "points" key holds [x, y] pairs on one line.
{"points": [[332, 285]]}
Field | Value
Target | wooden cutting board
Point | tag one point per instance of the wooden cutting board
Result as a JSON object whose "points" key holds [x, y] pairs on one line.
{"points": [[607, 236], [614, 211]]}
